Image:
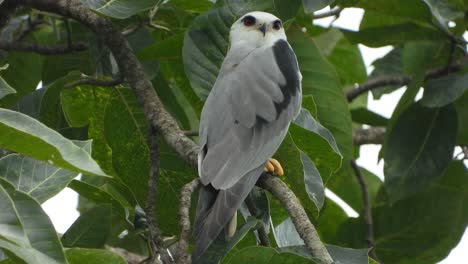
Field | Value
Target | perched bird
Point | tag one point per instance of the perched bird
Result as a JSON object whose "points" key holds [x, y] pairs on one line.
{"points": [[244, 120]]}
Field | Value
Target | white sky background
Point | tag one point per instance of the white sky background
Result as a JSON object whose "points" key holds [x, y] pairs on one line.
{"points": [[62, 208]]}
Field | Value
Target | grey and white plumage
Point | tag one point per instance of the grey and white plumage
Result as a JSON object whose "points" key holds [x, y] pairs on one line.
{"points": [[244, 120]]}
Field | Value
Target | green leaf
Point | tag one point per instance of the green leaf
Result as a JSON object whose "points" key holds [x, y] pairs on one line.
{"points": [[220, 247], [319, 144], [414, 10], [5, 88], [120, 9], [26, 135], [118, 129], [38, 179], [99, 196], [25, 229], [394, 35], [206, 45], [93, 256], [419, 149], [91, 229], [423, 228], [321, 81], [444, 90], [310, 6], [289, 156], [331, 216], [264, 255], [125, 131], [313, 181]]}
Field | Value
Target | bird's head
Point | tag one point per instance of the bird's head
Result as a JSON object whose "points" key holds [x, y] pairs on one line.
{"points": [[257, 29]]}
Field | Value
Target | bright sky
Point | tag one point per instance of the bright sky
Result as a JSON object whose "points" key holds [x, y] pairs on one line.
{"points": [[62, 208]]}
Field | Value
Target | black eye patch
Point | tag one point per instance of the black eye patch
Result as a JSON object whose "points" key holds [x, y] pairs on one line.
{"points": [[249, 21], [277, 24]]}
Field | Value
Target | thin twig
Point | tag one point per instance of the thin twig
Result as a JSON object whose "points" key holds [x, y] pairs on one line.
{"points": [[150, 205], [335, 12], [402, 80], [184, 221], [367, 215], [57, 49], [298, 216], [88, 80]]}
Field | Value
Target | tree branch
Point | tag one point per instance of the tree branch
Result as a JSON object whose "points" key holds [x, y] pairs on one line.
{"points": [[372, 135], [367, 215], [335, 12], [155, 234], [298, 216], [44, 49], [184, 220], [402, 80]]}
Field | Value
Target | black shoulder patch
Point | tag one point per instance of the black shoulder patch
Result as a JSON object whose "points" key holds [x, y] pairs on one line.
{"points": [[287, 63]]}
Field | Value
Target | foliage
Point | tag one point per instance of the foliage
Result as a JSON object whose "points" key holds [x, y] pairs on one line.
{"points": [[51, 135]]}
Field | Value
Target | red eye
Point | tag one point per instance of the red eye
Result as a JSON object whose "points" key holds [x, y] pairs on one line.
{"points": [[249, 21], [277, 25]]}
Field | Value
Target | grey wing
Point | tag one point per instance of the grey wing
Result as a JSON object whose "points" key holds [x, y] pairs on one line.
{"points": [[248, 113]]}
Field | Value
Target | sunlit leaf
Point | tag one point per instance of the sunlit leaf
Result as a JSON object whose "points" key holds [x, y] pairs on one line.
{"points": [[27, 136], [119, 8], [25, 229]]}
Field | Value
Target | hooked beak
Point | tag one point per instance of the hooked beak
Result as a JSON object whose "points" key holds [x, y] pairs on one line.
{"points": [[263, 29]]}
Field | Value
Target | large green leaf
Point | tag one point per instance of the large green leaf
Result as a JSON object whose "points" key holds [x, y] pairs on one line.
{"points": [[206, 41], [41, 180], [93, 256], [120, 9], [86, 106], [444, 90], [26, 135], [339, 254], [118, 128], [421, 229], [126, 132], [289, 156], [91, 229], [319, 145], [321, 81], [264, 255], [419, 149], [25, 229], [437, 217]]}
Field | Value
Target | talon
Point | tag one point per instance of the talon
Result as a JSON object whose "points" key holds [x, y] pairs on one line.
{"points": [[278, 168], [273, 166], [269, 167]]}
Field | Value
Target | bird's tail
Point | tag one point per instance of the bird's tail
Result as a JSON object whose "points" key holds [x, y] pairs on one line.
{"points": [[216, 208]]}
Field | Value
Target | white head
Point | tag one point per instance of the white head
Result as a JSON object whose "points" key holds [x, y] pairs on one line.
{"points": [[256, 29]]}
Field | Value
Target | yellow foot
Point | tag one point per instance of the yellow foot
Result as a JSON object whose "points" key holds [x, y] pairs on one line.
{"points": [[274, 166]]}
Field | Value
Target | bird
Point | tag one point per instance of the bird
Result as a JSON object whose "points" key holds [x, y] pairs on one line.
{"points": [[246, 116]]}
